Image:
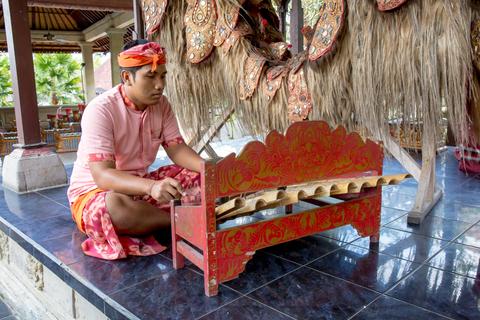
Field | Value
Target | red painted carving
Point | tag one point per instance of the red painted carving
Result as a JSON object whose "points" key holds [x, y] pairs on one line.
{"points": [[309, 151], [361, 213]]}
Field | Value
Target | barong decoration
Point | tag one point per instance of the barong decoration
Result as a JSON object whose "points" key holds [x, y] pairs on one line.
{"points": [[200, 21], [273, 80], [226, 24], [153, 13], [475, 39], [240, 31], [252, 70], [328, 28], [386, 5]]}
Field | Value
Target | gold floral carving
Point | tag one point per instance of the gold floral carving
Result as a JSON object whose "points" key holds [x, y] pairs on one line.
{"points": [[153, 13], [385, 5], [299, 100], [327, 29], [252, 70], [200, 20], [241, 30], [273, 80], [226, 24]]}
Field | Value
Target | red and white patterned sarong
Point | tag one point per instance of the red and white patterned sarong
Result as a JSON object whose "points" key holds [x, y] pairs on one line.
{"points": [[103, 241]]}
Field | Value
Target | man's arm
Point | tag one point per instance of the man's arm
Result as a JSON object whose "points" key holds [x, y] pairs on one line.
{"points": [[107, 177], [184, 156]]}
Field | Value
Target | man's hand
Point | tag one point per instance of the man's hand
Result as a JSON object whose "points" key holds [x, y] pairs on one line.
{"points": [[166, 190]]}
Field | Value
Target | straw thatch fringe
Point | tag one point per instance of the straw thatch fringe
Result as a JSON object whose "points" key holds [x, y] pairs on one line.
{"points": [[406, 64]]}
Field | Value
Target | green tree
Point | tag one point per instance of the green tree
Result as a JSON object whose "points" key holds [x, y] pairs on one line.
{"points": [[6, 99], [57, 78]]}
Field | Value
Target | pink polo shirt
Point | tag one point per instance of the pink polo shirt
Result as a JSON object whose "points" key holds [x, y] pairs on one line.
{"points": [[113, 131]]}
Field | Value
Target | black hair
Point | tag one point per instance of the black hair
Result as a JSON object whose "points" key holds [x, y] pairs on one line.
{"points": [[128, 45]]}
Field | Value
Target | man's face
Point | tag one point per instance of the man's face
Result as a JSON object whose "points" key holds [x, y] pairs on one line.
{"points": [[147, 87]]}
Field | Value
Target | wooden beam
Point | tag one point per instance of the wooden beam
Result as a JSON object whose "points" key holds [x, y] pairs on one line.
{"points": [[15, 13], [97, 5], [112, 21], [60, 36]]}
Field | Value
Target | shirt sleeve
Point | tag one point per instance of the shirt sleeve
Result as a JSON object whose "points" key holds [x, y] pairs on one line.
{"points": [[97, 134], [171, 133]]}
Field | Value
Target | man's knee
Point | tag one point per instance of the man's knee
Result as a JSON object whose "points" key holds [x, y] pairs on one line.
{"points": [[120, 209]]}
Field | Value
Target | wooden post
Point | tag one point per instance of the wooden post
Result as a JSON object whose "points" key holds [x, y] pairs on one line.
{"points": [[296, 24], [139, 31], [282, 14], [428, 194], [19, 44]]}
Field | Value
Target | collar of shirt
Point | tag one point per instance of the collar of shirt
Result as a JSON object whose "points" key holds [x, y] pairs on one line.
{"points": [[129, 103]]}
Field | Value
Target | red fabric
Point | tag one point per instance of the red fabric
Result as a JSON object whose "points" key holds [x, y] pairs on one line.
{"points": [[468, 159], [103, 242], [149, 53]]}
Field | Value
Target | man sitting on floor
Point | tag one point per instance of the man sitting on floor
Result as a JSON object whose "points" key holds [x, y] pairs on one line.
{"points": [[113, 198]]}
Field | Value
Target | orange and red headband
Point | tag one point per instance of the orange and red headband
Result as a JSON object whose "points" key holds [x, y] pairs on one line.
{"points": [[143, 54]]}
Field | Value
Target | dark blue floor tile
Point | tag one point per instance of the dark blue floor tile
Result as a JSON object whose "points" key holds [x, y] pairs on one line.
{"points": [[4, 310], [389, 214], [404, 245], [245, 308], [262, 269], [28, 207], [57, 194], [398, 201], [404, 187], [51, 228], [461, 259], [465, 197], [309, 294], [432, 226], [471, 237], [472, 185], [173, 295], [110, 276], [365, 267], [441, 292], [344, 234], [306, 249], [67, 248], [456, 211], [451, 183], [393, 309]]}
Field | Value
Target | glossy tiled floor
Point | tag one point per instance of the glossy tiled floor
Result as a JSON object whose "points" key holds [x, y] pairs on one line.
{"points": [[431, 271]]}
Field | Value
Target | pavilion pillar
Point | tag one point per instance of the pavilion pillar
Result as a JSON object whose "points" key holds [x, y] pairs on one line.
{"points": [[31, 166], [88, 74], [296, 24], [116, 44]]}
